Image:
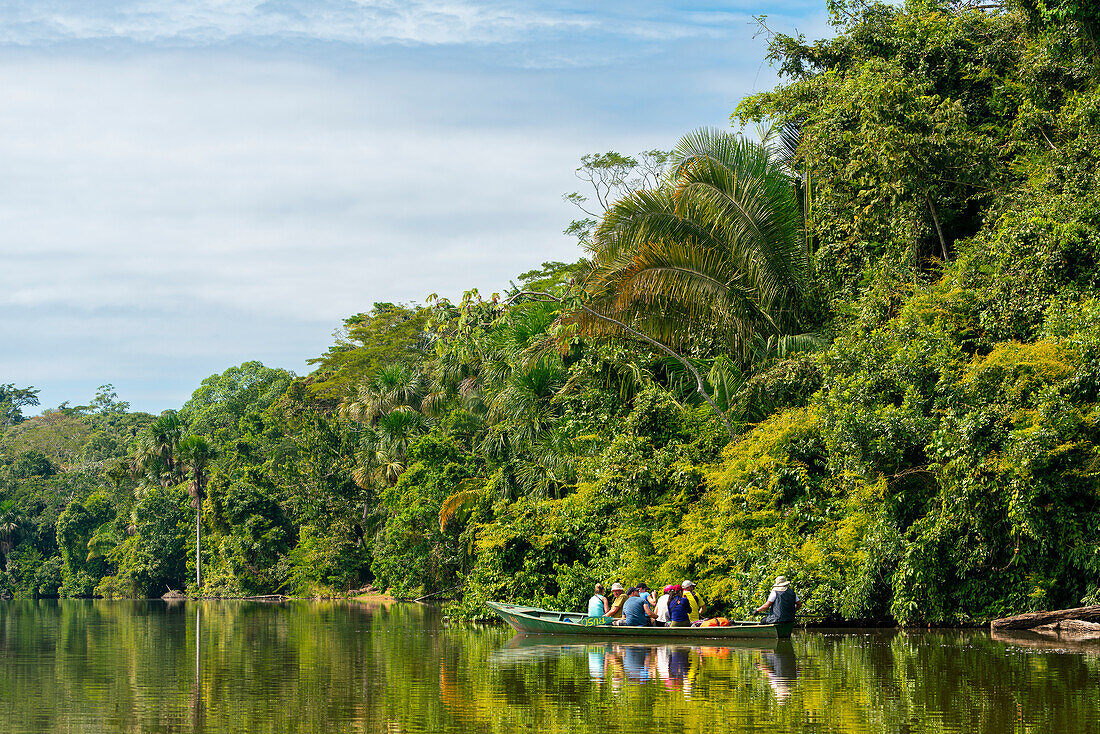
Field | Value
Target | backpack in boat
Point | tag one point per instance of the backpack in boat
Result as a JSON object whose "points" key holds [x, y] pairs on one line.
{"points": [[716, 622]]}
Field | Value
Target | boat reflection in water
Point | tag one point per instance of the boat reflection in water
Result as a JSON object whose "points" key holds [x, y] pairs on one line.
{"points": [[674, 666]]}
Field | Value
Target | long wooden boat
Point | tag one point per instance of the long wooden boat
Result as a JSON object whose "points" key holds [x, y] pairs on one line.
{"points": [[535, 621]]}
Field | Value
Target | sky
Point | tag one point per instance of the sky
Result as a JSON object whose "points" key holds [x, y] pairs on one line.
{"points": [[186, 186]]}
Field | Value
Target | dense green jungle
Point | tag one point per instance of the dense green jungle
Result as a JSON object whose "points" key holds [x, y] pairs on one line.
{"points": [[857, 344]]}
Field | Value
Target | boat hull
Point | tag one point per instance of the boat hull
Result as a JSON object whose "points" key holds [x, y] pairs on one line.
{"points": [[535, 621]]}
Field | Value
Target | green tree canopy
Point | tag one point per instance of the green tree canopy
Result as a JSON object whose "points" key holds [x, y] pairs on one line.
{"points": [[389, 333], [12, 401], [912, 121], [220, 402]]}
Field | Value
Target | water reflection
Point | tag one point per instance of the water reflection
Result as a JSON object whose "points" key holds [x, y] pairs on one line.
{"points": [[333, 667], [1052, 641], [781, 668], [673, 666], [197, 723]]}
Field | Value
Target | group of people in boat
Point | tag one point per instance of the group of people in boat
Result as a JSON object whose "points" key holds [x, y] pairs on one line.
{"points": [[680, 605]]}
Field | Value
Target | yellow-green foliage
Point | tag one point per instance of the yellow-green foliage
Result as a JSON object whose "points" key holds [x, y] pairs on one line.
{"points": [[1015, 371], [916, 476], [738, 527]]}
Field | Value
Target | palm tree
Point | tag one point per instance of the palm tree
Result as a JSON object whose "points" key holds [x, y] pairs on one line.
{"points": [[393, 432], [157, 452], [196, 453], [391, 386], [714, 254], [391, 405], [105, 538]]}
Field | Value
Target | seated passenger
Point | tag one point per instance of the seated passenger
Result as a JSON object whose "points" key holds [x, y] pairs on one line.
{"points": [[650, 600], [636, 612], [782, 603], [618, 598], [597, 605], [679, 608], [662, 607], [696, 599]]}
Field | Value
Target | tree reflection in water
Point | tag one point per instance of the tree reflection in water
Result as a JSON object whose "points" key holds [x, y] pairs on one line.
{"points": [[98, 666], [197, 721]]}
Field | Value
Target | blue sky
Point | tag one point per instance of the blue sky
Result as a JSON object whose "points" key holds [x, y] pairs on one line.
{"points": [[190, 185]]}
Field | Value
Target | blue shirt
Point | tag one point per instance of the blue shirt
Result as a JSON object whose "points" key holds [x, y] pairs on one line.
{"points": [[679, 609], [595, 606], [634, 611]]}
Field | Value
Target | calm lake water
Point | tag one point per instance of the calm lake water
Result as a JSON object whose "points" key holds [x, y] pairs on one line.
{"points": [[109, 666]]}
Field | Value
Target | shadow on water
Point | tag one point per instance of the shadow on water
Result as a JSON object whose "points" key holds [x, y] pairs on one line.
{"points": [[98, 666]]}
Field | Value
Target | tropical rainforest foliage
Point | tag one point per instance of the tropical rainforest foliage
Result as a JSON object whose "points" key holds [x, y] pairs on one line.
{"points": [[863, 353]]}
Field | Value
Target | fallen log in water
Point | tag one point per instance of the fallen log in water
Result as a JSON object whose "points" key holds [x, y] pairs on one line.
{"points": [[174, 595], [1032, 620], [1064, 641], [1071, 626]]}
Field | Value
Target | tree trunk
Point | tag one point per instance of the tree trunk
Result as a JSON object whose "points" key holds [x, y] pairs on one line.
{"points": [[1037, 619], [939, 230], [198, 544]]}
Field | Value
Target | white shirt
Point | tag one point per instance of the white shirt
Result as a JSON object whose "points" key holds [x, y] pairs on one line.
{"points": [[662, 609]]}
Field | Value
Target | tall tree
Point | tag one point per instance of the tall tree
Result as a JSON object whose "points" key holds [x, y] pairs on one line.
{"points": [[9, 523], [217, 406], [196, 454], [389, 406], [388, 334], [12, 401], [609, 177]]}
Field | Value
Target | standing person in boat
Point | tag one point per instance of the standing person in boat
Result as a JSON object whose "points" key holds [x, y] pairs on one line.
{"points": [[636, 611], [618, 598], [694, 598], [679, 608], [597, 605], [782, 603]]}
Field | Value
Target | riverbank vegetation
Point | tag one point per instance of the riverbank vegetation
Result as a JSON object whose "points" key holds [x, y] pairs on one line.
{"points": [[863, 353]]}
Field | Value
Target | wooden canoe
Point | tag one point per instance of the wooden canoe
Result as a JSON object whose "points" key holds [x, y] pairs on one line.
{"points": [[535, 621]]}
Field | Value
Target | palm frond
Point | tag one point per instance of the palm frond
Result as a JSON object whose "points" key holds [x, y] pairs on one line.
{"points": [[785, 345], [719, 245], [471, 491]]}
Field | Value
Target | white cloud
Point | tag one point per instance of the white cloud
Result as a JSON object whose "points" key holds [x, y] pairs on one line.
{"points": [[368, 22], [167, 211], [252, 187], [215, 21], [153, 220]]}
